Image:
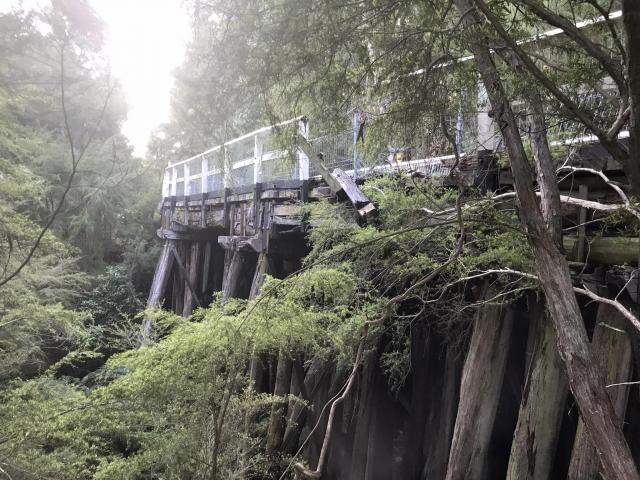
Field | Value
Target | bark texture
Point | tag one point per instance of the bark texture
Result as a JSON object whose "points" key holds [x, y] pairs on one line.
{"points": [[585, 379], [479, 393], [540, 417], [612, 349]]}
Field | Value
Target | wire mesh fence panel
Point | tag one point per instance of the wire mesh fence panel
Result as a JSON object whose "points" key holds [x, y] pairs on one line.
{"points": [[281, 167], [337, 151]]}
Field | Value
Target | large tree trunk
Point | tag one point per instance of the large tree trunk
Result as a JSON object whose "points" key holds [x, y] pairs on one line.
{"points": [[612, 349], [479, 393], [585, 379], [631, 21]]}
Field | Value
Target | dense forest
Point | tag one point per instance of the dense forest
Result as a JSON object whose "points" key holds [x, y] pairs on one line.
{"points": [[477, 324]]}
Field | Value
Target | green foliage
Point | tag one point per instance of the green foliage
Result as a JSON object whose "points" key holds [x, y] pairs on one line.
{"points": [[153, 413]]}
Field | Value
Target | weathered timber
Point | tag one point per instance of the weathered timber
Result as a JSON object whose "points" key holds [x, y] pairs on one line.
{"points": [[161, 276], [159, 285], [177, 291], [612, 350], [539, 420], [479, 392], [277, 421], [339, 182], [191, 295], [179, 255], [262, 269], [256, 243], [234, 262], [298, 416], [438, 444], [206, 267], [363, 417], [608, 250]]}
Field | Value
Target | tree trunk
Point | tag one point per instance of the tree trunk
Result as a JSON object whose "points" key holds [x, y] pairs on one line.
{"points": [[612, 350], [631, 22], [479, 393], [585, 379], [540, 418], [277, 422]]}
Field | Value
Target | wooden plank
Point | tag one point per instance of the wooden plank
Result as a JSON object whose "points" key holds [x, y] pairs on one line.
{"points": [[255, 243], [349, 187], [607, 250]]}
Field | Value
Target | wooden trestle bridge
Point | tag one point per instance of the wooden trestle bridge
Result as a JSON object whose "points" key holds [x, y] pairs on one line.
{"points": [[235, 213]]}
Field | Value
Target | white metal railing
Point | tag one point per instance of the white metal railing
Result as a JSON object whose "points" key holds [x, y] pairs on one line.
{"points": [[247, 159]]}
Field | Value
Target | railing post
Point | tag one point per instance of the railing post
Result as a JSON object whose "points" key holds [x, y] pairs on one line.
{"points": [[166, 183], [174, 181], [187, 180], [303, 160], [203, 172], [258, 145], [485, 135]]}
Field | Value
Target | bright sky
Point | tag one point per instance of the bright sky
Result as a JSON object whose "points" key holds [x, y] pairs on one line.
{"points": [[146, 41]]}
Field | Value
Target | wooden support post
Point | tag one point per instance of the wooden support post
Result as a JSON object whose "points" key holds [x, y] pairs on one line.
{"points": [[190, 293], [204, 169], [161, 276], [366, 401], [303, 159], [159, 285], [203, 211], [262, 269], [185, 280], [275, 432], [178, 279], [234, 262], [612, 350], [206, 266], [256, 367], [437, 454], [258, 146], [257, 202], [535, 439], [482, 378]]}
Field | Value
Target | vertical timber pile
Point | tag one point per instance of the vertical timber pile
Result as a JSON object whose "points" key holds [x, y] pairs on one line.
{"points": [[482, 379], [612, 351]]}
